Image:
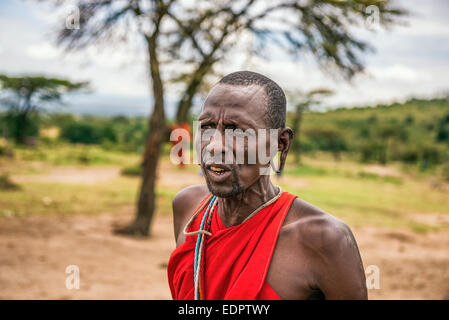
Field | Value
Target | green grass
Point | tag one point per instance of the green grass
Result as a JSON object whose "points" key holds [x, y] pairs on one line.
{"points": [[368, 199], [67, 199], [306, 171], [74, 154], [42, 198], [345, 190], [61, 199]]}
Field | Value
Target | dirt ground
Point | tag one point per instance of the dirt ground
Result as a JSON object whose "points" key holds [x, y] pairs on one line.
{"points": [[35, 251], [71, 175]]}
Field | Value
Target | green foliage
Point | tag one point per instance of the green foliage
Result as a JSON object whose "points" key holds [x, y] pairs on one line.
{"points": [[35, 89], [411, 133], [25, 96], [430, 155], [327, 139], [83, 132], [133, 171], [414, 132], [113, 133], [18, 126], [371, 151], [442, 134], [302, 102]]}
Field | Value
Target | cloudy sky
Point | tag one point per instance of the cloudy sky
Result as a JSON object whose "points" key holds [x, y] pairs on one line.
{"points": [[409, 61]]}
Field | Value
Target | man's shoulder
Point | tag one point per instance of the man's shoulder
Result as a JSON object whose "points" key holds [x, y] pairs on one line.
{"points": [[184, 204], [328, 246], [315, 229], [189, 197]]}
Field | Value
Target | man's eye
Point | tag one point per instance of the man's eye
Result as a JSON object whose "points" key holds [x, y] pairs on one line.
{"points": [[206, 126]]}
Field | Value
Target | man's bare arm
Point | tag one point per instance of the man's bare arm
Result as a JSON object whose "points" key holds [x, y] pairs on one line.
{"points": [[339, 268]]}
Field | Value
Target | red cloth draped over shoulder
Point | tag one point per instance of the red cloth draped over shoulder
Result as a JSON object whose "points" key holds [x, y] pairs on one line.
{"points": [[236, 258]]}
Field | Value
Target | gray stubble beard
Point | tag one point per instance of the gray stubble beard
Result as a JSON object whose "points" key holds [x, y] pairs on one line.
{"points": [[237, 188]]}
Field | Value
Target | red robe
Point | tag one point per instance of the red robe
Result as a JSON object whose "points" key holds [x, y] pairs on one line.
{"points": [[236, 258]]}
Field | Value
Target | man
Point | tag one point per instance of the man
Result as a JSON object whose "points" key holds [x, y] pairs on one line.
{"points": [[241, 237]]}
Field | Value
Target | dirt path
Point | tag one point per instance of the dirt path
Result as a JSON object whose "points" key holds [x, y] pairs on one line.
{"points": [[411, 266], [169, 175], [71, 175], [35, 251]]}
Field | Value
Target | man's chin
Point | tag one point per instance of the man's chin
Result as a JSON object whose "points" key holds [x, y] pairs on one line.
{"points": [[225, 192]]}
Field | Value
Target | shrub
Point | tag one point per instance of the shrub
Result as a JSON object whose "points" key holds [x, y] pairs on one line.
{"points": [[134, 170], [409, 155], [19, 126], [7, 184], [430, 156], [82, 132]]}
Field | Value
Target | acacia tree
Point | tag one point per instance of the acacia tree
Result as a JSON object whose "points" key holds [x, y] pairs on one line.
{"points": [[198, 35], [302, 102], [25, 96], [322, 28]]}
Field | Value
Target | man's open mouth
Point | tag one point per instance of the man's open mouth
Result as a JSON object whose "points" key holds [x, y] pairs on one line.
{"points": [[218, 172]]}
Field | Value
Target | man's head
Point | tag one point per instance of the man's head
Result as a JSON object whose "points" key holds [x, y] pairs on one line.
{"points": [[275, 104], [250, 102]]}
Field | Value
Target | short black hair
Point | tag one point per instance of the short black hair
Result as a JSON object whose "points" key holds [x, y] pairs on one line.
{"points": [[276, 97]]}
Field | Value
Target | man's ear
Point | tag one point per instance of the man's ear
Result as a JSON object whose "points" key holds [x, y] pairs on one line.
{"points": [[285, 140]]}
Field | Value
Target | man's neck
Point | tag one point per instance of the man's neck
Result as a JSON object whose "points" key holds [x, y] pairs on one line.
{"points": [[235, 210]]}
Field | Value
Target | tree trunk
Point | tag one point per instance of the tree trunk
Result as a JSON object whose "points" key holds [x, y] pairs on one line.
{"points": [[146, 203], [21, 130], [186, 101]]}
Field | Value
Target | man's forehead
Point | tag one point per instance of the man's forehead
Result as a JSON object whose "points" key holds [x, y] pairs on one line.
{"points": [[224, 95]]}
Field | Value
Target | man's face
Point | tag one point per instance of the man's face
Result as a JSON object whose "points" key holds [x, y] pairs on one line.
{"points": [[226, 109]]}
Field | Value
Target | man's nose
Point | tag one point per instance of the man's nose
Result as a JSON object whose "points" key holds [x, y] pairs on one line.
{"points": [[216, 143]]}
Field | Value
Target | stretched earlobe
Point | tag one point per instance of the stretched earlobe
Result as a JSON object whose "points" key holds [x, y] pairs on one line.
{"points": [[274, 167], [285, 140]]}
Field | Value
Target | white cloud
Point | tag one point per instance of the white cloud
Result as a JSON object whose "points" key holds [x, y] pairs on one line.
{"points": [[42, 51], [398, 72]]}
